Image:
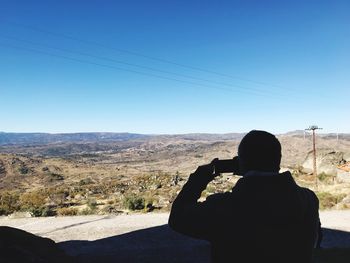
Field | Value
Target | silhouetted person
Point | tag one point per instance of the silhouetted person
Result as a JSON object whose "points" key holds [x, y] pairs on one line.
{"points": [[266, 217]]}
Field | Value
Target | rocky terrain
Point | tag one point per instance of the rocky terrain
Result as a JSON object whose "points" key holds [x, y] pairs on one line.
{"points": [[71, 174]]}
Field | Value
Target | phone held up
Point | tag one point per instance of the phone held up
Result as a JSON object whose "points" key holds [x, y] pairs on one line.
{"points": [[227, 166]]}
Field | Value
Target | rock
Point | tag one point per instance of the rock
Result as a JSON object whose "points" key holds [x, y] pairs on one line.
{"points": [[20, 215], [346, 200], [343, 176], [347, 156], [327, 162], [78, 197], [20, 246]]}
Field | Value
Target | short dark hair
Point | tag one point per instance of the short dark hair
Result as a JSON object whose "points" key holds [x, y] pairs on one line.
{"points": [[261, 151]]}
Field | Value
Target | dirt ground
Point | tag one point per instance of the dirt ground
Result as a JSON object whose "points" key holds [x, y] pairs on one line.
{"points": [[144, 237]]}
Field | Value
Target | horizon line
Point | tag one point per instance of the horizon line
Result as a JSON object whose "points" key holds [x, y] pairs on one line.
{"points": [[159, 134]]}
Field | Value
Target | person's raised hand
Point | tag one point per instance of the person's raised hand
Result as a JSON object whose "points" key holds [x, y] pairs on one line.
{"points": [[207, 170]]}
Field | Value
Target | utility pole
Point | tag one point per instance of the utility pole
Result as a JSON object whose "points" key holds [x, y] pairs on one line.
{"points": [[313, 128]]}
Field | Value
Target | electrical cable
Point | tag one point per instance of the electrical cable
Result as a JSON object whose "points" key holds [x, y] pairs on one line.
{"points": [[140, 54], [126, 70], [133, 65]]}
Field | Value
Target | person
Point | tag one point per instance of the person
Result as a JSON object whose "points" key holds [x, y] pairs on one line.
{"points": [[266, 217]]}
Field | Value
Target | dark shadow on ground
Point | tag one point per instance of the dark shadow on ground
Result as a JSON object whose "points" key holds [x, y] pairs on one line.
{"points": [[161, 244], [335, 247], [72, 225], [335, 238], [156, 244]]}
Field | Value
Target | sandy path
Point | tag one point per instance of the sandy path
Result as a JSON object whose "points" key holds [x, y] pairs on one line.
{"points": [[336, 219], [90, 228]]}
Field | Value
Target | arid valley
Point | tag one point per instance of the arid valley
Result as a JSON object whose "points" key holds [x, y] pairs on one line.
{"points": [[103, 173]]}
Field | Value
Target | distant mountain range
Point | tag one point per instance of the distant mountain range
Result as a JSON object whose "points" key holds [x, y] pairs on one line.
{"points": [[49, 138]]}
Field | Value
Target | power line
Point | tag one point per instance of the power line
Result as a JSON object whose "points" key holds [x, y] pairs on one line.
{"points": [[139, 54], [118, 68], [135, 65]]}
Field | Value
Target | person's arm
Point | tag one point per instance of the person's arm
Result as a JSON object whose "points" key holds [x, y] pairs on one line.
{"points": [[188, 216]]}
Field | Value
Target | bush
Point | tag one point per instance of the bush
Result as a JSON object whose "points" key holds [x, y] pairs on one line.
{"points": [[36, 212], [67, 211], [35, 203], [86, 211], [328, 200], [323, 177], [48, 211], [149, 207], [23, 170], [92, 204], [8, 202], [40, 211], [32, 200], [86, 181], [134, 202]]}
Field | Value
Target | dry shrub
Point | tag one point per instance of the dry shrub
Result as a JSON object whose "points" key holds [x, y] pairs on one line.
{"points": [[328, 200], [35, 203], [133, 202], [8, 202], [32, 200], [67, 211]]}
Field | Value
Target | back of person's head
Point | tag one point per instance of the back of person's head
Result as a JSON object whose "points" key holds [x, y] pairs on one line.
{"points": [[259, 151]]}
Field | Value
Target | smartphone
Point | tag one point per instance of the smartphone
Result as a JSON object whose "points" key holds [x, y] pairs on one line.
{"points": [[227, 166]]}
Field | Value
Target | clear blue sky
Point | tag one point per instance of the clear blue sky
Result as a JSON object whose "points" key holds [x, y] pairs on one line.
{"points": [[283, 65]]}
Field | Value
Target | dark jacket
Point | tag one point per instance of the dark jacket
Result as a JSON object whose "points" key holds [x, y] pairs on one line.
{"points": [[265, 218]]}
